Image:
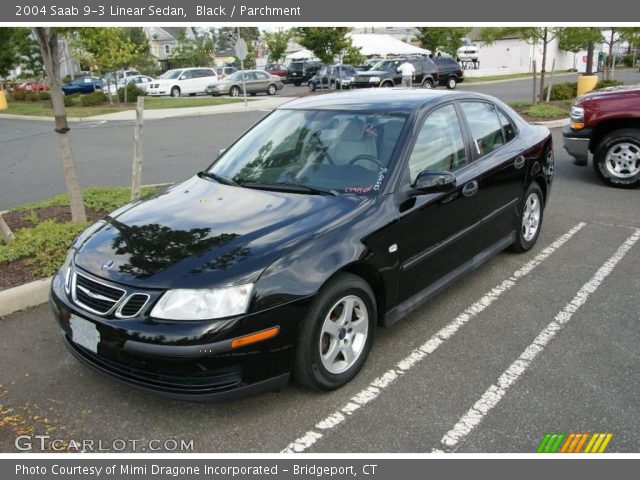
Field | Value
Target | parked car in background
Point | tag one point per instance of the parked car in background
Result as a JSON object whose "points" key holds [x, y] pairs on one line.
{"points": [[332, 77], [255, 81], [385, 73], [450, 72], [82, 85], [469, 51], [183, 81], [333, 216], [224, 72], [141, 81], [301, 72], [31, 87], [277, 69], [606, 123]]}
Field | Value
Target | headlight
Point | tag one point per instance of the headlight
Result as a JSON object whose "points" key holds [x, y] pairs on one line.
{"points": [[204, 304], [577, 117], [66, 271], [374, 79]]}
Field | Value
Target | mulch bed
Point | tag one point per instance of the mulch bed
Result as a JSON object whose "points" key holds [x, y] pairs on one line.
{"points": [[19, 271]]}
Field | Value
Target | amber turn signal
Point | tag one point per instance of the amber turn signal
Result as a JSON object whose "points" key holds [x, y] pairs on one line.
{"points": [[255, 337], [577, 125]]}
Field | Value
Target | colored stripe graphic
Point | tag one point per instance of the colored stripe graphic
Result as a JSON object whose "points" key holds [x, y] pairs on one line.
{"points": [[573, 442]]}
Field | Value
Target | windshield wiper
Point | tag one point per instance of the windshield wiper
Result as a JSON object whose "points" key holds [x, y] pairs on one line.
{"points": [[218, 178], [287, 187]]}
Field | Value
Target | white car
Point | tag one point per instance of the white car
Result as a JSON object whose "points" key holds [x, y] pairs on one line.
{"points": [[140, 81], [183, 81]]}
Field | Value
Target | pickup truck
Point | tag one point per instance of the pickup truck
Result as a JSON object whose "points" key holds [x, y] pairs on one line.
{"points": [[606, 123]]}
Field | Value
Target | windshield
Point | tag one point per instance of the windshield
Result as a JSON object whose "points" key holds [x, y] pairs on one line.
{"points": [[386, 65], [346, 152], [170, 74]]}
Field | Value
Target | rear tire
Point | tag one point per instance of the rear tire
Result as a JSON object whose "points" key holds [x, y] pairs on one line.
{"points": [[271, 89], [616, 159], [451, 83], [337, 333], [428, 83], [530, 215], [297, 83]]}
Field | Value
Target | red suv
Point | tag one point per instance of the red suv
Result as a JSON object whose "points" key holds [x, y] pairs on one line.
{"points": [[277, 69], [607, 124]]}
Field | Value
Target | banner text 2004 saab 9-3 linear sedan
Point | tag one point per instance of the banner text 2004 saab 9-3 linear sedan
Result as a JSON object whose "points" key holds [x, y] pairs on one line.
{"points": [[331, 217]]}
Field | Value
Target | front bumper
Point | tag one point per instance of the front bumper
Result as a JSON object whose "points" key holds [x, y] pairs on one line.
{"points": [[189, 361], [576, 143]]}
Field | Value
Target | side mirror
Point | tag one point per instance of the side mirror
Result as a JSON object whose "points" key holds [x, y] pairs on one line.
{"points": [[182, 77], [220, 152], [435, 181]]}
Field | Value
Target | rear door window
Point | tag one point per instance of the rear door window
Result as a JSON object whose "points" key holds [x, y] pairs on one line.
{"points": [[486, 130]]}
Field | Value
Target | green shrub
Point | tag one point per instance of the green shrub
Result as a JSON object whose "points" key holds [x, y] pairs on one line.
{"points": [[19, 96], [75, 95], [45, 245], [45, 95], [32, 97], [564, 91], [92, 99], [69, 101], [608, 83], [133, 93], [628, 60]]}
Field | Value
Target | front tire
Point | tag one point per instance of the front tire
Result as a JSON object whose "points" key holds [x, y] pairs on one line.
{"points": [[616, 159], [337, 333], [529, 219], [175, 92], [234, 91]]}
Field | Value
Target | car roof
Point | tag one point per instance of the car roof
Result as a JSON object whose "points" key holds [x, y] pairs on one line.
{"points": [[401, 100]]}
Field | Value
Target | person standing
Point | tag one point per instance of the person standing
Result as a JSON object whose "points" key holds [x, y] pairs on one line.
{"points": [[408, 72]]}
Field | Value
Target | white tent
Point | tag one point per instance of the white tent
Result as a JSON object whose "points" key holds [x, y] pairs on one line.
{"points": [[303, 54], [381, 45]]}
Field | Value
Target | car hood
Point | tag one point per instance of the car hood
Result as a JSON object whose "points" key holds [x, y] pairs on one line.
{"points": [[622, 91], [201, 234]]}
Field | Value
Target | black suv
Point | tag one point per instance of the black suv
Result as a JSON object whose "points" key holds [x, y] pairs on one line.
{"points": [[450, 72], [385, 73], [301, 72]]}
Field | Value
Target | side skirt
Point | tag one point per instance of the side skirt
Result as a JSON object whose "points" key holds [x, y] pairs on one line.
{"points": [[409, 305]]}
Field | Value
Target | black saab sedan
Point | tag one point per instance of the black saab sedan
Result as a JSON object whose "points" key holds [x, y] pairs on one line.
{"points": [[331, 217]]}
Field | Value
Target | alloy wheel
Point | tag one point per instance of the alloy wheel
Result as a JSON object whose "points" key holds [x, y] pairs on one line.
{"points": [[531, 217], [623, 160]]}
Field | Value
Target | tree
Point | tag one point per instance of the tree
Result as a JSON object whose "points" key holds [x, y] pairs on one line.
{"points": [[9, 54], [533, 35], [190, 52], [353, 56], [105, 49], [326, 43], [632, 36], [47, 38], [576, 39], [277, 43], [444, 39]]}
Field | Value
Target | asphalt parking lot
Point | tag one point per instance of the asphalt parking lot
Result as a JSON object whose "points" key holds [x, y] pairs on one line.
{"points": [[527, 344]]}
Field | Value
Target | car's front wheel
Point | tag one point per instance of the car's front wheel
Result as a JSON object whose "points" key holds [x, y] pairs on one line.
{"points": [[530, 219], [337, 334], [616, 159], [175, 92], [234, 91]]}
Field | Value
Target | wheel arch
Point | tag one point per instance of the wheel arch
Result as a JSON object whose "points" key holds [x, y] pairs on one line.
{"points": [[605, 128]]}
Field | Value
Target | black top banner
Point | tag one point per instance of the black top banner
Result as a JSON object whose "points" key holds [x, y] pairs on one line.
{"points": [[314, 11]]}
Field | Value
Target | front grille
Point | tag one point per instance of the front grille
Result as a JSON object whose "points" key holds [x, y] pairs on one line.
{"points": [[133, 305], [95, 296]]}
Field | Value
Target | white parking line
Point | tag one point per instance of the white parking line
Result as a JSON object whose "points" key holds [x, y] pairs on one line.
{"points": [[374, 389], [496, 392]]}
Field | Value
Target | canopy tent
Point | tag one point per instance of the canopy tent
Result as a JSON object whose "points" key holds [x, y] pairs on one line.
{"points": [[381, 45], [303, 54]]}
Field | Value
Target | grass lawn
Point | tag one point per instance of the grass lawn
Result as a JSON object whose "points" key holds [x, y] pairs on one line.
{"points": [[43, 109], [512, 76], [542, 111]]}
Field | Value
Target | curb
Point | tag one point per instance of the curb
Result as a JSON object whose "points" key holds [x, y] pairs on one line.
{"points": [[554, 123], [504, 80], [40, 119], [24, 296]]}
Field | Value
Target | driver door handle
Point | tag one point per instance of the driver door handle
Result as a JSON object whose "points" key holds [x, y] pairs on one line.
{"points": [[519, 162], [470, 188]]}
